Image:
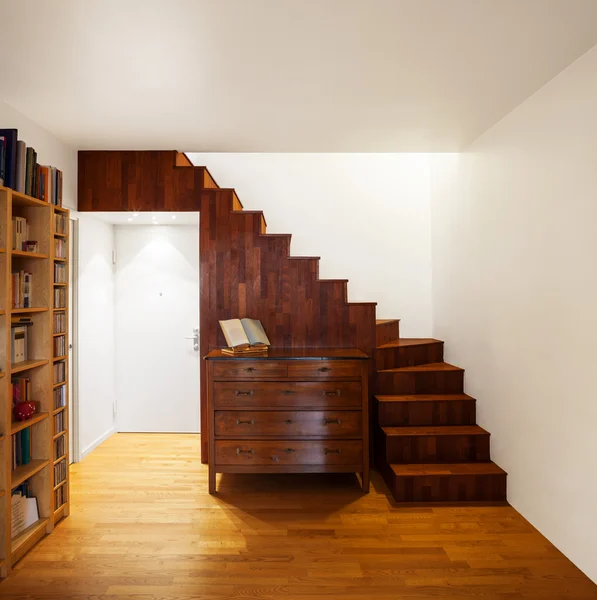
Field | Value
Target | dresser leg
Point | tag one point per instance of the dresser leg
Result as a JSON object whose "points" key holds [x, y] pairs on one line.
{"points": [[212, 481], [365, 480]]}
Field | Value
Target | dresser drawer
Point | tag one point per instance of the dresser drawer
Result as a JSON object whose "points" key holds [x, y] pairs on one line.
{"points": [[322, 369], [282, 423], [288, 452], [248, 369], [289, 394]]}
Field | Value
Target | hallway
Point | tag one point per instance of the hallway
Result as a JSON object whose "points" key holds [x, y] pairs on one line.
{"points": [[143, 527]]}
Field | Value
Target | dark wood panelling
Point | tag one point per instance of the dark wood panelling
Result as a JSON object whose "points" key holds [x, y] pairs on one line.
{"points": [[408, 353]]}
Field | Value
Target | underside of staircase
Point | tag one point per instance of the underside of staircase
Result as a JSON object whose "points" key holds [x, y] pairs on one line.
{"points": [[428, 446]]}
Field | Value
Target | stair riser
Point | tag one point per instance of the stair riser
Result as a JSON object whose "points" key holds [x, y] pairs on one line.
{"points": [[405, 414], [387, 332], [409, 356], [448, 488], [443, 382], [437, 449]]}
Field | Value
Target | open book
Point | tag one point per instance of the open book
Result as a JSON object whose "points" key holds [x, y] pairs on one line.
{"points": [[244, 336]]}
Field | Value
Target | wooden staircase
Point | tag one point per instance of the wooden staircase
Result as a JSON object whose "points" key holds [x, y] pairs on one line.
{"points": [[427, 444]]}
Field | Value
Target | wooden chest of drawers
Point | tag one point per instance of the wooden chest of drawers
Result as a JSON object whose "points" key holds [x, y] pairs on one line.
{"points": [[292, 411]]}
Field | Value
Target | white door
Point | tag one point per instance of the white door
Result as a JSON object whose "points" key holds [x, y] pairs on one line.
{"points": [[156, 310]]}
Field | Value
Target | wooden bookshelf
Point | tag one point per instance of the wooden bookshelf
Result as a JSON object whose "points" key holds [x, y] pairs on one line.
{"points": [[38, 369]]}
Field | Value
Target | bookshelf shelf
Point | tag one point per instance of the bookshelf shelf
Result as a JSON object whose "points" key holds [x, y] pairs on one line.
{"points": [[19, 199], [24, 254], [59, 334], [60, 235], [20, 425], [28, 364], [57, 385], [2, 374], [58, 410], [60, 433], [25, 311], [28, 534], [60, 484], [59, 358], [23, 472], [60, 259], [60, 284], [59, 459]]}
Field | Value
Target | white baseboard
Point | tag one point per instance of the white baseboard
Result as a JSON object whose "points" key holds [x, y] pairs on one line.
{"points": [[100, 440]]}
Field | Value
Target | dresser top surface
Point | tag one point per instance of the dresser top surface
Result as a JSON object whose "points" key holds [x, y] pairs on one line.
{"points": [[294, 354]]}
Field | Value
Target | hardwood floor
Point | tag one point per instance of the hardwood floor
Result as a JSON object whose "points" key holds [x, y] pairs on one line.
{"points": [[143, 527]]}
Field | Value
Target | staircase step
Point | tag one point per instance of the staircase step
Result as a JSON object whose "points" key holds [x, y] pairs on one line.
{"points": [[433, 378], [386, 330], [406, 352], [430, 409], [459, 482], [441, 444]]}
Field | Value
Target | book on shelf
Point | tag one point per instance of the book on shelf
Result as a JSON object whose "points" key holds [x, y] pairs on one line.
{"points": [[24, 512], [9, 156], [22, 289], [18, 344], [60, 224], [59, 447], [21, 390], [60, 397], [59, 372], [21, 448], [20, 232], [60, 496], [59, 248], [2, 159], [21, 166], [244, 336], [60, 298], [60, 470]]}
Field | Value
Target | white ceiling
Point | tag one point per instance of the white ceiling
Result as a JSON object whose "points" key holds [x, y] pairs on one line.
{"points": [[148, 218], [283, 75]]}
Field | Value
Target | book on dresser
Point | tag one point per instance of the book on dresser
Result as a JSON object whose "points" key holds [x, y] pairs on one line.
{"points": [[244, 336]]}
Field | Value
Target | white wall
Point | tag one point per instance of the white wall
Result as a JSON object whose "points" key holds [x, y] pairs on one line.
{"points": [[96, 332], [50, 150], [366, 215], [515, 296]]}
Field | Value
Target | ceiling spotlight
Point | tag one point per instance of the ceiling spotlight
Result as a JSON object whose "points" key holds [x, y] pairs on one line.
{"points": [[135, 214], [129, 219], [174, 216]]}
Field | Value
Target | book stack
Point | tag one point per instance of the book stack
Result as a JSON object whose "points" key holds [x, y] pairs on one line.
{"points": [[18, 343], [20, 233], [59, 273], [59, 447], [60, 497], [60, 298], [60, 471], [20, 171], [60, 346], [22, 290], [60, 323], [244, 337], [59, 422], [60, 397], [59, 248], [60, 224], [59, 372], [21, 448]]}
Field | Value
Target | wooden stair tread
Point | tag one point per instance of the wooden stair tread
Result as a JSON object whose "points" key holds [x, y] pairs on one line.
{"points": [[425, 470], [408, 342], [429, 367], [435, 430], [425, 398]]}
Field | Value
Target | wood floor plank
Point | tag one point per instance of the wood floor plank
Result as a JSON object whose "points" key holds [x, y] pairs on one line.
{"points": [[143, 527]]}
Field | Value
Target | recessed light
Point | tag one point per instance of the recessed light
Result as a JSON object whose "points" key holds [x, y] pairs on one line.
{"points": [[155, 223], [174, 216], [135, 214], [129, 219]]}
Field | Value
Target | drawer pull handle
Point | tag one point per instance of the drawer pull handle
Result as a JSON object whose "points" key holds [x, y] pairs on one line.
{"points": [[250, 369], [239, 451], [328, 451], [239, 393], [332, 422], [288, 392], [331, 392], [289, 421], [249, 422], [289, 450], [324, 369]]}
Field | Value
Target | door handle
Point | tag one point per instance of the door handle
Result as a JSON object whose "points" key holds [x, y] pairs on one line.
{"points": [[195, 338]]}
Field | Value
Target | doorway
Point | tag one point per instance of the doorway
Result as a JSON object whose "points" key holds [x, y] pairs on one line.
{"points": [[156, 318]]}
